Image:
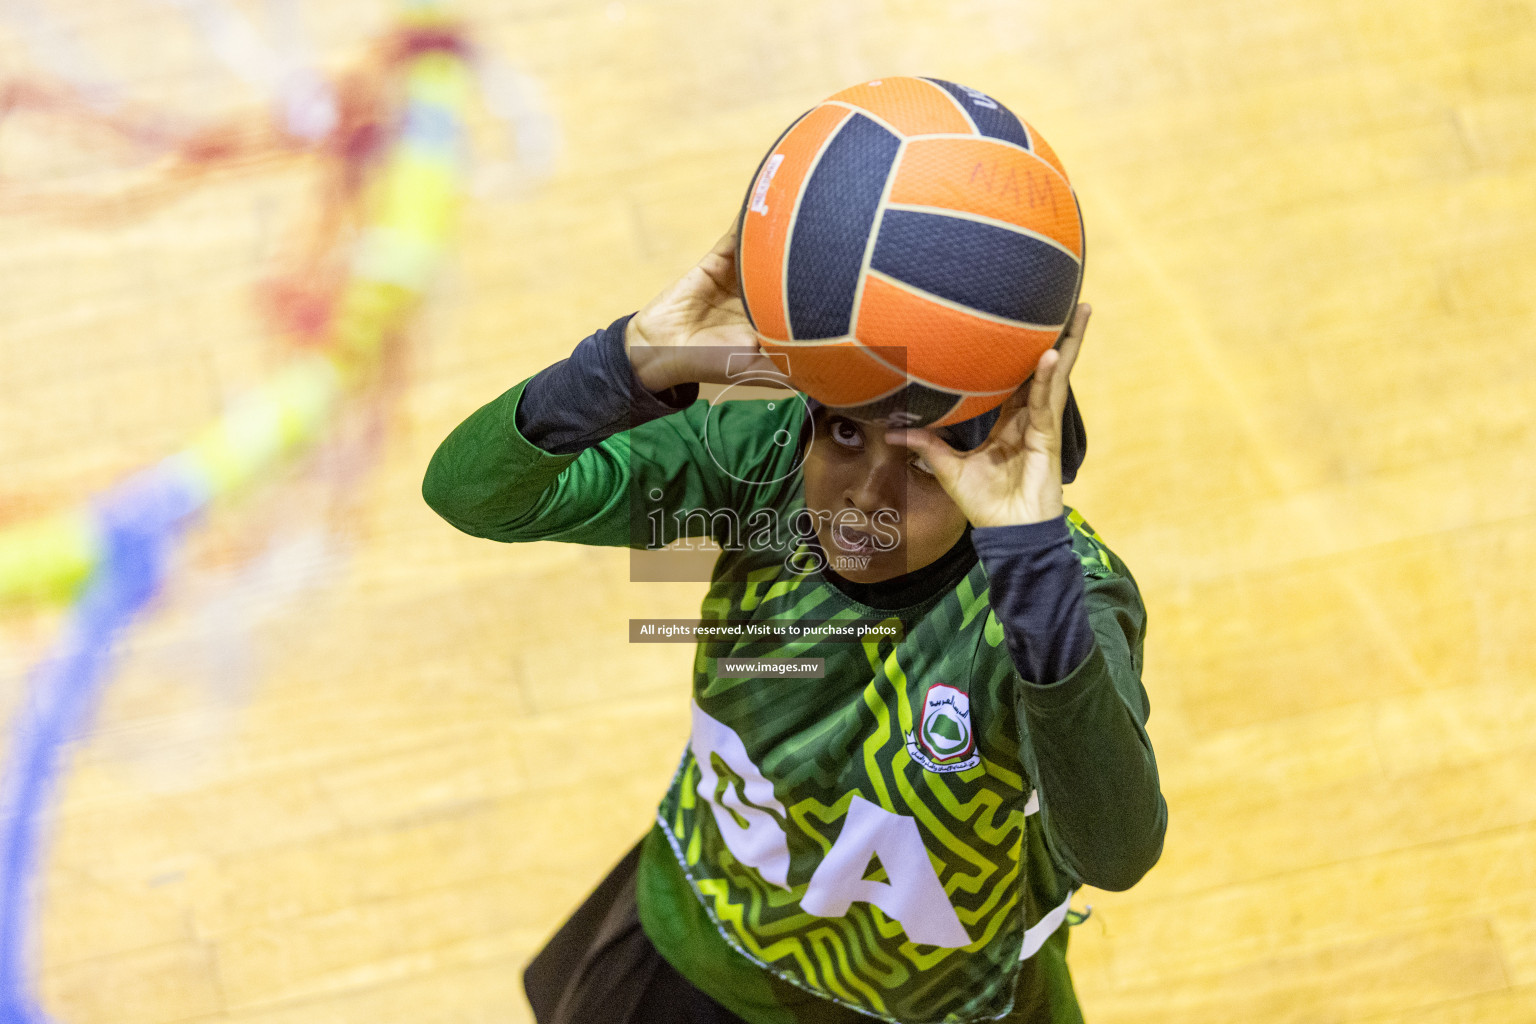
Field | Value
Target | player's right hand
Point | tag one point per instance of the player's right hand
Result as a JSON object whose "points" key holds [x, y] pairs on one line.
{"points": [[1014, 476], [693, 329]]}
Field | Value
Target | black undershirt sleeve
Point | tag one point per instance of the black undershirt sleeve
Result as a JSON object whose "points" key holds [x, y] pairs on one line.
{"points": [[591, 395], [1037, 594]]}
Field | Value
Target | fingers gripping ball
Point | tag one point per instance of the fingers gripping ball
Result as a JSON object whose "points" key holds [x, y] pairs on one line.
{"points": [[914, 247]]}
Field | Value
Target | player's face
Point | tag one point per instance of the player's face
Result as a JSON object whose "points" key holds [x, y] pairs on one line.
{"points": [[879, 512]]}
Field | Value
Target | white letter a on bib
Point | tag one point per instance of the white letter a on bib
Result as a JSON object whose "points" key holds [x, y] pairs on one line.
{"points": [[913, 896]]}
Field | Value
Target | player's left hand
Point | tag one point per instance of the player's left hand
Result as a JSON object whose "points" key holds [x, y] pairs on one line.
{"points": [[1014, 476]]}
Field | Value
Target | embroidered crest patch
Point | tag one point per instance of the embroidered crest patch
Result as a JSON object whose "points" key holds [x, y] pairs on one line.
{"points": [[943, 740]]}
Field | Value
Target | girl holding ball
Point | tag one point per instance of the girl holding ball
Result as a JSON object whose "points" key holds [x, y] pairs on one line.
{"points": [[900, 837]]}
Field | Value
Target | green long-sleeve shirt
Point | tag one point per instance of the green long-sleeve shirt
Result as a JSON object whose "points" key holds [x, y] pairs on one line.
{"points": [[899, 838]]}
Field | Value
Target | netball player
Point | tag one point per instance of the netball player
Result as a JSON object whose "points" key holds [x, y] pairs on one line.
{"points": [[899, 837]]}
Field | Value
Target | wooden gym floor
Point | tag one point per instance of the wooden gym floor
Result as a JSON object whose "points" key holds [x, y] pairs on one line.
{"points": [[1308, 386]]}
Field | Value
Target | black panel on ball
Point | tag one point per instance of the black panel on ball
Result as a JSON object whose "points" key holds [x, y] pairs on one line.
{"points": [[991, 118], [837, 213], [982, 267]]}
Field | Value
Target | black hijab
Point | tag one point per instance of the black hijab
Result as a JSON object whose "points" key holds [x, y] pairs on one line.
{"points": [[969, 434]]}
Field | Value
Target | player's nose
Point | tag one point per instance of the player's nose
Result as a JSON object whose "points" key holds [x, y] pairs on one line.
{"points": [[878, 484]]}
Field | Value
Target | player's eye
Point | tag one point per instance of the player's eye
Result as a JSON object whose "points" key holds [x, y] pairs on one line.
{"points": [[921, 465], [845, 432]]}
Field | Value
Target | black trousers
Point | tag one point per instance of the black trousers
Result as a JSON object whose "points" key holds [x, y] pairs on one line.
{"points": [[600, 968]]}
